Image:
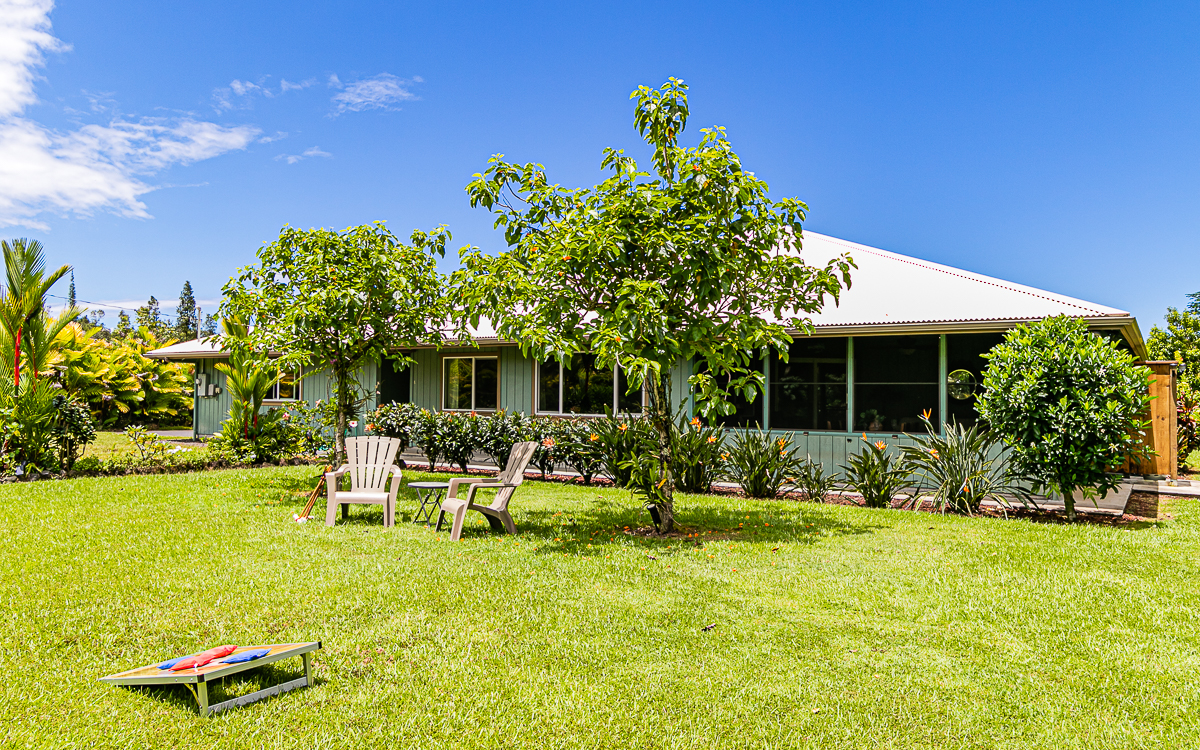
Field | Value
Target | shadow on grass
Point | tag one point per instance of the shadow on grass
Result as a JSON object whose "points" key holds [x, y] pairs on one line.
{"points": [[222, 689]]}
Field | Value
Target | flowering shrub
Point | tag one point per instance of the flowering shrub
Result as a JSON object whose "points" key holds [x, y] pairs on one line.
{"points": [[962, 468], [620, 440], [876, 474], [761, 464], [498, 433], [581, 448], [400, 421], [697, 455]]}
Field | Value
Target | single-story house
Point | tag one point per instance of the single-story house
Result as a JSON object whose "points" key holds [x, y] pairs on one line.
{"points": [[906, 338]]}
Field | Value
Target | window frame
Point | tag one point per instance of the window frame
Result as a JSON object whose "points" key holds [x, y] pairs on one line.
{"points": [[299, 381], [474, 393], [537, 392]]}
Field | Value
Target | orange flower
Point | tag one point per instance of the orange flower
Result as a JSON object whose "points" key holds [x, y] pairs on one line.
{"points": [[933, 452], [369, 427], [712, 438], [695, 422], [927, 413], [593, 437], [781, 442], [881, 445], [623, 427], [548, 442]]}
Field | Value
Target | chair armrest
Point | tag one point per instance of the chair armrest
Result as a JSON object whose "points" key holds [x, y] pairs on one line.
{"points": [[395, 470], [490, 485], [338, 473]]}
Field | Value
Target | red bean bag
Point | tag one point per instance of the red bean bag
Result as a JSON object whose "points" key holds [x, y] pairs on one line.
{"points": [[199, 660]]}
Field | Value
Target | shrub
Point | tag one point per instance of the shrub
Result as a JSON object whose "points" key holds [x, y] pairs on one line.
{"points": [[620, 440], [74, 429], [812, 480], [962, 469], [314, 426], [550, 438], [267, 439], [457, 436], [760, 463], [498, 433], [427, 437], [31, 430], [88, 465], [1068, 404], [697, 455], [876, 474], [580, 448]]}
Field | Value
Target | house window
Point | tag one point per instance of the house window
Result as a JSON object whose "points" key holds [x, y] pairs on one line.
{"points": [[470, 383], [579, 387], [964, 352], [808, 392], [895, 380], [746, 414], [287, 389]]}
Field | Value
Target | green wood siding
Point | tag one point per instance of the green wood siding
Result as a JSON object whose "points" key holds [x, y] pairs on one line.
{"points": [[516, 380]]}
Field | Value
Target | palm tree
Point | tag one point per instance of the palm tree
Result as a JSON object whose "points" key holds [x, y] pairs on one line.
{"points": [[24, 295]]}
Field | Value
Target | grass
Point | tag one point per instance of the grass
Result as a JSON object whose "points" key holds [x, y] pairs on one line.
{"points": [[835, 626], [111, 444]]}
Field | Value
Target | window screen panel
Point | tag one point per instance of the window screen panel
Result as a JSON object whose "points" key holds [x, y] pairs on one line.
{"points": [[456, 388]]}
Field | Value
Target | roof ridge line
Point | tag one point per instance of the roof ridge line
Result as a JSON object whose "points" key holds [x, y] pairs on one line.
{"points": [[901, 258]]}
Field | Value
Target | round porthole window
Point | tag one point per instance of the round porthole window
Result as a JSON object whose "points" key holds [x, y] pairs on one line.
{"points": [[960, 384]]}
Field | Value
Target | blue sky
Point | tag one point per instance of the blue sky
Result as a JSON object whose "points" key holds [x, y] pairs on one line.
{"points": [[1056, 145]]}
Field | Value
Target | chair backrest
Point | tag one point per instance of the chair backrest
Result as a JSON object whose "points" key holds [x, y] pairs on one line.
{"points": [[518, 460], [369, 459]]}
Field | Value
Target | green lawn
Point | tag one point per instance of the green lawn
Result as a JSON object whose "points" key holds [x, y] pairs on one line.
{"points": [[835, 626], [109, 444]]}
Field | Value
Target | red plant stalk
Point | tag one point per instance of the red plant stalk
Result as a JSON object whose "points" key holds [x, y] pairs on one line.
{"points": [[17, 361]]}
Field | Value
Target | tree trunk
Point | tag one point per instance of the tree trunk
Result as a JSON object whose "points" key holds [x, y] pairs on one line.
{"points": [[342, 397], [660, 419]]}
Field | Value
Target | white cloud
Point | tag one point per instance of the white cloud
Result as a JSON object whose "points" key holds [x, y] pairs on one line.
{"points": [[285, 85], [293, 158], [383, 91], [95, 167], [279, 136], [242, 93]]}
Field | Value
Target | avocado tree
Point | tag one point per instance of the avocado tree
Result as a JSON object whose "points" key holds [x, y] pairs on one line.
{"points": [[339, 300], [1068, 403], [644, 270]]}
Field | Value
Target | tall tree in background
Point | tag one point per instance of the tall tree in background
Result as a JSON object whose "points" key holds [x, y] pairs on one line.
{"points": [[185, 314], [1181, 341], [339, 300], [71, 291], [148, 315], [24, 295], [210, 326], [693, 262], [124, 328]]}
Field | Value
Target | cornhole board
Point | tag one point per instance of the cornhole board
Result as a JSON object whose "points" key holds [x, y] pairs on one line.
{"points": [[202, 676]]}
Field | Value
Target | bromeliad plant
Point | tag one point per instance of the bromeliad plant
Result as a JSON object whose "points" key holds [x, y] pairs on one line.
{"points": [[760, 463], [876, 474], [961, 469], [619, 440]]}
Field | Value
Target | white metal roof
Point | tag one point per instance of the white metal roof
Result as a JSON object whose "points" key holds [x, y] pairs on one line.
{"points": [[889, 293], [889, 288]]}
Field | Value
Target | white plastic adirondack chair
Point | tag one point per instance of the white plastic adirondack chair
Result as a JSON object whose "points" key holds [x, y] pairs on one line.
{"points": [[506, 484], [370, 460]]}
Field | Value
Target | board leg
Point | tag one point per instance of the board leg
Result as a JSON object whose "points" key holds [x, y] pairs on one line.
{"points": [[307, 667], [202, 697]]}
